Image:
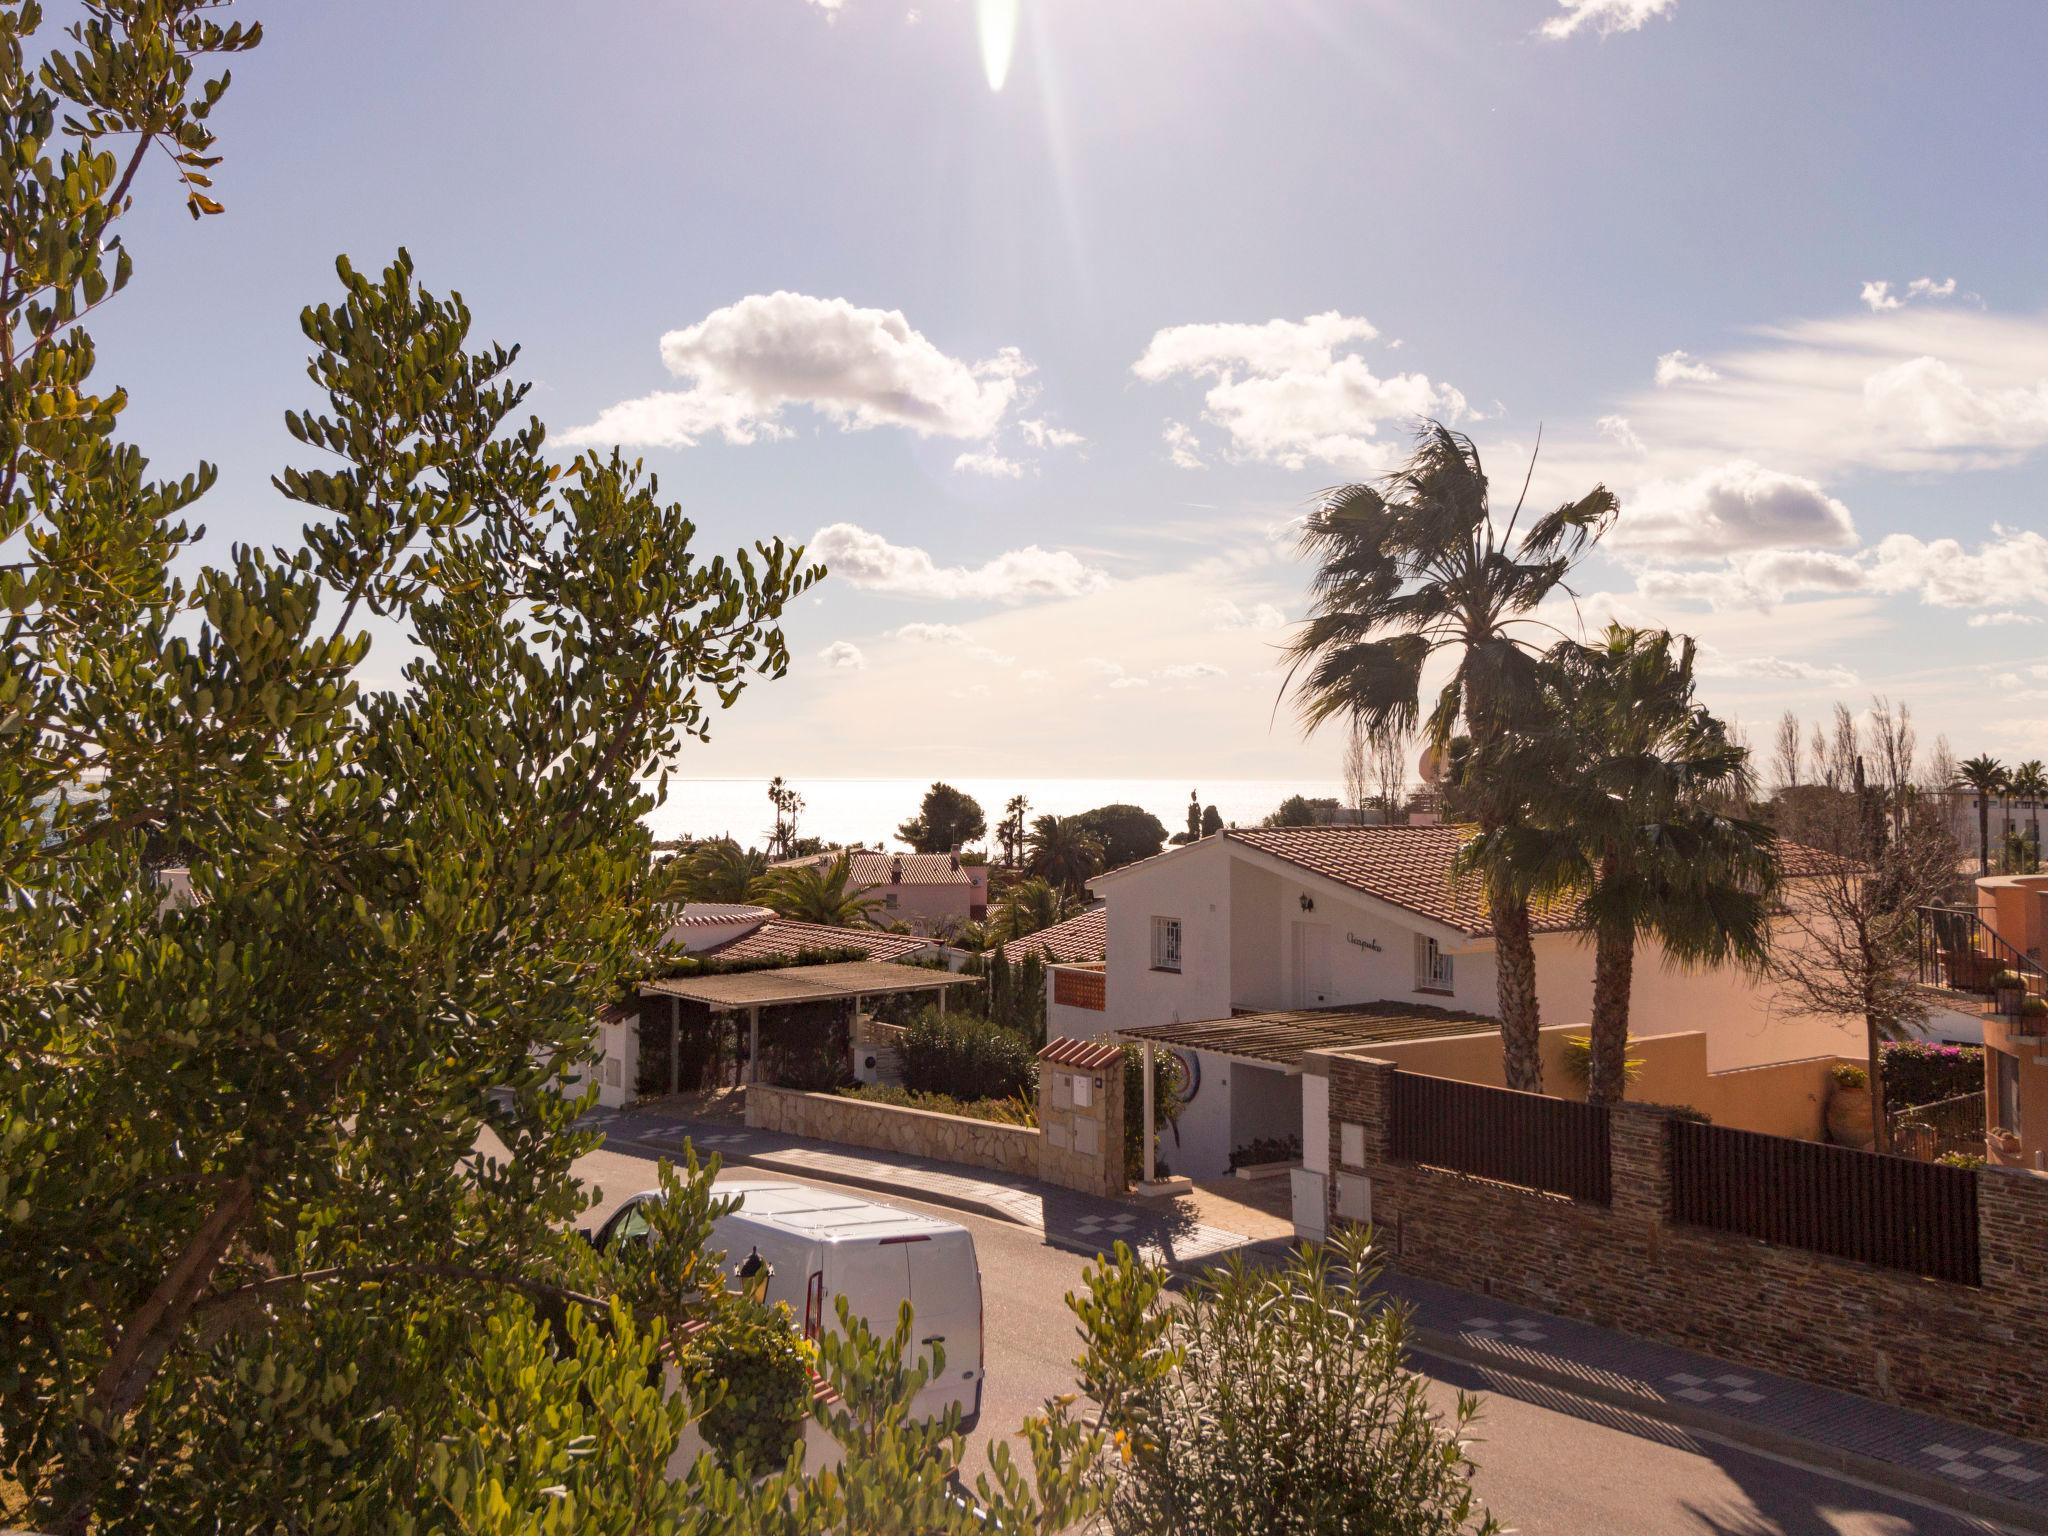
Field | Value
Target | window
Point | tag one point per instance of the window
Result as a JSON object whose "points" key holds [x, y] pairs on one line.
{"points": [[1165, 943], [1432, 966], [889, 902], [2008, 1091]]}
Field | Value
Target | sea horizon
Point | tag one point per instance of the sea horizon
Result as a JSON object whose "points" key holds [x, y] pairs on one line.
{"points": [[868, 810]]}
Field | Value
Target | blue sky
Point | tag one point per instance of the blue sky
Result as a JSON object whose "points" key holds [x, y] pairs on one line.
{"points": [[1050, 368]]}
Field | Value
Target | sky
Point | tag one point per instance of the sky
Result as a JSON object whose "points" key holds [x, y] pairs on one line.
{"points": [[1042, 322]]}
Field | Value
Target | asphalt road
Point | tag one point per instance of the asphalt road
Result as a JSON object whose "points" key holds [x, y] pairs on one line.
{"points": [[1549, 1464]]}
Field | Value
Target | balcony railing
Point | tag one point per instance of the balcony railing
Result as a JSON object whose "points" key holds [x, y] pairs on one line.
{"points": [[1960, 952]]}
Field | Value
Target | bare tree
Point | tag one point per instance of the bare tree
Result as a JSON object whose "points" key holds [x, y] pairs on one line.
{"points": [[1357, 773], [1850, 950], [1941, 772], [1785, 753], [1895, 745], [1387, 767]]}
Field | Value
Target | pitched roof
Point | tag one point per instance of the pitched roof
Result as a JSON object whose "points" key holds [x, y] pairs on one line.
{"points": [[872, 869], [781, 938], [1282, 1037], [1077, 940], [1411, 867]]}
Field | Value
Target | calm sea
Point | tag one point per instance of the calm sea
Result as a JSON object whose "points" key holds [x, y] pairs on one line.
{"points": [[869, 810]]}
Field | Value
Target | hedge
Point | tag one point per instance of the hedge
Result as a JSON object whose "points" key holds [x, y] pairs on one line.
{"points": [[1922, 1072]]}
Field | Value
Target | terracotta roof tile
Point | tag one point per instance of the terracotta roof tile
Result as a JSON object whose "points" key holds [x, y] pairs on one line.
{"points": [[1411, 867], [868, 870], [782, 939], [1076, 941], [1082, 1055]]}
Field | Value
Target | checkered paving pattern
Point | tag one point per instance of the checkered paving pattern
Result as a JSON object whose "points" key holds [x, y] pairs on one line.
{"points": [[1523, 1330], [1978, 1459], [1727, 1387], [2011, 1466]]}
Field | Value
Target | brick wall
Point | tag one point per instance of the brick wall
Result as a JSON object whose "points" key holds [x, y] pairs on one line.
{"points": [[1079, 989], [1978, 1353]]}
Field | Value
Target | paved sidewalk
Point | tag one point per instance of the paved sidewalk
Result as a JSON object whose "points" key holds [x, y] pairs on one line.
{"points": [[1977, 1470], [1167, 1231]]}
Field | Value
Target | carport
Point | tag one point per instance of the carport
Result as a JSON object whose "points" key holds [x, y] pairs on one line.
{"points": [[749, 992], [1273, 1043]]}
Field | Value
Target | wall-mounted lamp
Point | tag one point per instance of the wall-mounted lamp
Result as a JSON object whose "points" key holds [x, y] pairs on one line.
{"points": [[1308, 902]]}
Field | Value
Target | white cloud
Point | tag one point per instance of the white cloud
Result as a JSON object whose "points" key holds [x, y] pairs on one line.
{"points": [[1031, 574], [954, 636], [1937, 387], [1774, 668], [1757, 580], [1192, 672], [989, 463], [1880, 297], [1113, 674], [1286, 395], [745, 364], [1617, 427], [1682, 367], [843, 655], [2009, 570], [2002, 618], [1734, 506], [1931, 402], [1603, 16], [1226, 615], [1183, 448], [1043, 434]]}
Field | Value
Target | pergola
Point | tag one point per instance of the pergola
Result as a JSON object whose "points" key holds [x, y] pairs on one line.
{"points": [[1280, 1038], [749, 992]]}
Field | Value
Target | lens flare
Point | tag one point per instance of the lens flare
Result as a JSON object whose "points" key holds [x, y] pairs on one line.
{"points": [[996, 20]]}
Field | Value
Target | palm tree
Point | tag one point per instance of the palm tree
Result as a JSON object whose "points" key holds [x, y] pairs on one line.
{"points": [[1988, 777], [817, 892], [1027, 907], [2030, 783], [1063, 852], [1627, 819], [720, 870], [1413, 567]]}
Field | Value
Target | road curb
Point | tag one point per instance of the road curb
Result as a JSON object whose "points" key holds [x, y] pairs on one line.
{"points": [[1929, 1486]]}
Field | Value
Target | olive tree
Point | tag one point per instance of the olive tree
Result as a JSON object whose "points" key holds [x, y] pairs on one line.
{"points": [[286, 1200]]}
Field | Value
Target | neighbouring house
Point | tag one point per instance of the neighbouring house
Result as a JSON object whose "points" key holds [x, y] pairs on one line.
{"points": [[1347, 933], [733, 932], [932, 893], [1989, 966], [1073, 953]]}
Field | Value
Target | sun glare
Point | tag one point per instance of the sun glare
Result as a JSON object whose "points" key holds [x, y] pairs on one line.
{"points": [[996, 20]]}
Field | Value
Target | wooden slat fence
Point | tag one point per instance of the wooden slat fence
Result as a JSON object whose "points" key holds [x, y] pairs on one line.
{"points": [[1891, 1211], [1518, 1138]]}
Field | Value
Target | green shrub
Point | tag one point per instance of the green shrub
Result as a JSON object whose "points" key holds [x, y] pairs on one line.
{"points": [[1016, 1111], [2034, 1008], [1265, 1149], [1922, 1072], [1960, 1160], [765, 1370], [1166, 1091], [1849, 1075], [965, 1057]]}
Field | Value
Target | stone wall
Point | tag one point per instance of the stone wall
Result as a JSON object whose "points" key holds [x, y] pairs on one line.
{"points": [[1977, 1353], [1081, 1116], [889, 1128]]}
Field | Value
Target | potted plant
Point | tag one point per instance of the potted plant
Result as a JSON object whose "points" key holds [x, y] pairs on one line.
{"points": [[1849, 1118], [2009, 987], [2033, 1016], [2005, 1143]]}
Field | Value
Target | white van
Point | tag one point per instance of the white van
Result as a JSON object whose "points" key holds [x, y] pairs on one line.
{"points": [[822, 1244]]}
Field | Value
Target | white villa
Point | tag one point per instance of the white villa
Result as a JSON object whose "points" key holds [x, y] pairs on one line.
{"points": [[1224, 949]]}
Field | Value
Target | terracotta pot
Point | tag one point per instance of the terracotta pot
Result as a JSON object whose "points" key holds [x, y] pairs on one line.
{"points": [[1849, 1118]]}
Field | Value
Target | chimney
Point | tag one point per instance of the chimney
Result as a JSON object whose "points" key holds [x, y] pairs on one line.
{"points": [[896, 870], [956, 858]]}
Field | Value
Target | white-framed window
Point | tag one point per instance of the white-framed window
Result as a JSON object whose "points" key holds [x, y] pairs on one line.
{"points": [[1432, 966], [1165, 943]]}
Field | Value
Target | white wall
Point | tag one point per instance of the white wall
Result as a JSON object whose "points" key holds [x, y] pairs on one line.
{"points": [[1192, 886], [1738, 1012]]}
